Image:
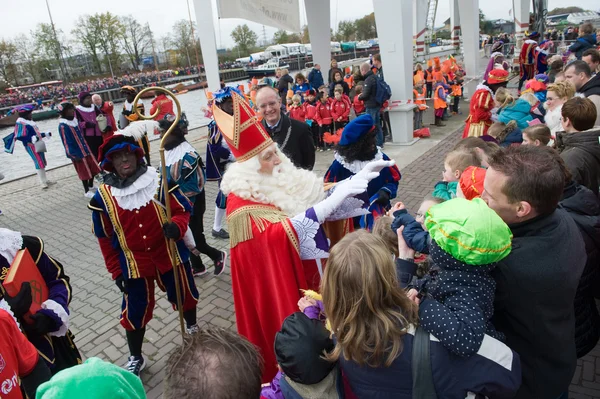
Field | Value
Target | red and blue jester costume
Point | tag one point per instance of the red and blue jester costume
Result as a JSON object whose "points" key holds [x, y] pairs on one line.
{"points": [[129, 220]]}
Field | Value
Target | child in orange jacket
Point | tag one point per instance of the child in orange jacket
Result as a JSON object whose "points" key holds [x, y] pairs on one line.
{"points": [[324, 118], [296, 109], [419, 93]]}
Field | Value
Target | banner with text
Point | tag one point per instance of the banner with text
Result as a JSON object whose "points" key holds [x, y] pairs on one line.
{"points": [[281, 14]]}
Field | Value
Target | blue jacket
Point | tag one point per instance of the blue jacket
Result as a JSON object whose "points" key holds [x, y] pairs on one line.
{"points": [[75, 145], [315, 78], [414, 235], [494, 371], [301, 88], [514, 137], [518, 112], [583, 43], [217, 153]]}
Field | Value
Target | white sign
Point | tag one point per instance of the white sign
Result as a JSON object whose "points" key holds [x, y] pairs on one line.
{"points": [[281, 14]]}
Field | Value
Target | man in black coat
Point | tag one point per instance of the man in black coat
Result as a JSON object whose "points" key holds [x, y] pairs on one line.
{"points": [[537, 281], [369, 96], [284, 84], [293, 137]]}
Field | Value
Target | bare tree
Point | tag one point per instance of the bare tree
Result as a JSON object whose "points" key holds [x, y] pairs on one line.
{"points": [[27, 56], [182, 40], [8, 59], [111, 31], [135, 39], [50, 46]]}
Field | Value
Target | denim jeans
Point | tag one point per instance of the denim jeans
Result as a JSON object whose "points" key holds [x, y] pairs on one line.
{"points": [[374, 112]]}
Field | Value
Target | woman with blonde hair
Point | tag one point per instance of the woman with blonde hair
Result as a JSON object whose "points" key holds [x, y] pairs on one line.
{"points": [[558, 94], [511, 109], [374, 323]]}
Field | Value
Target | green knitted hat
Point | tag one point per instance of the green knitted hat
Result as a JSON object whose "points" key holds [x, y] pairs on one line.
{"points": [[469, 231], [94, 379]]}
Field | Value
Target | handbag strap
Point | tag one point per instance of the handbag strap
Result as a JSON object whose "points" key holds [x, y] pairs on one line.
{"points": [[422, 387]]}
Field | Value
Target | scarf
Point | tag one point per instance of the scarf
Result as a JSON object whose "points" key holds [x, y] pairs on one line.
{"points": [[89, 109], [73, 122]]}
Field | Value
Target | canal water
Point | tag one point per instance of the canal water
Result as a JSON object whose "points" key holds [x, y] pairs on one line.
{"points": [[19, 164]]}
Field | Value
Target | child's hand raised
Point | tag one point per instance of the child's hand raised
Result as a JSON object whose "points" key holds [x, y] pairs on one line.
{"points": [[396, 207]]}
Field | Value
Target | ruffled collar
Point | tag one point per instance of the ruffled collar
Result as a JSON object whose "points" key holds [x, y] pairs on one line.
{"points": [[86, 109], [176, 154], [139, 193], [26, 122], [357, 166], [127, 105], [6, 307], [10, 243], [481, 86], [73, 122]]}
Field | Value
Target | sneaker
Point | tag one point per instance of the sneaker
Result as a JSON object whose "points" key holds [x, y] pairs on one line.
{"points": [[199, 272], [191, 330], [220, 264], [44, 186], [135, 365], [89, 194], [220, 234]]}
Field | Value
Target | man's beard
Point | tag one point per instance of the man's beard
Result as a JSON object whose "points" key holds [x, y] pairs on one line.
{"points": [[291, 189], [363, 150]]}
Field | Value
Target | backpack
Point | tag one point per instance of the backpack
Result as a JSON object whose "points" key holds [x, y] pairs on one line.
{"points": [[383, 91]]}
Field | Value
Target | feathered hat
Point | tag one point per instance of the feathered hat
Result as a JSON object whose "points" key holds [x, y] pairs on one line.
{"points": [[242, 131], [225, 93], [139, 128], [436, 63]]}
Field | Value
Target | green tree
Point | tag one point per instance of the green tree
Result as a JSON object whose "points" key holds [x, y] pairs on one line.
{"points": [[282, 36], [110, 33], [244, 37], [49, 45], [346, 30], [485, 26], [135, 39], [365, 27], [182, 42], [305, 35], [8, 59], [87, 31]]}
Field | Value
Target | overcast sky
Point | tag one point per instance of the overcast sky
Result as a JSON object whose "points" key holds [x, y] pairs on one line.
{"points": [[19, 16]]}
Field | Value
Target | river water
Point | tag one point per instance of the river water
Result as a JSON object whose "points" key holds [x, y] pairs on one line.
{"points": [[19, 164]]}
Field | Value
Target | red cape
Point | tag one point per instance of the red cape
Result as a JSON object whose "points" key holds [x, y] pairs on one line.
{"points": [[267, 273]]}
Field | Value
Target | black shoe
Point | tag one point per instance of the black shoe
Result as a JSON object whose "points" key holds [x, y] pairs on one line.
{"points": [[220, 264], [135, 365], [220, 234], [201, 271]]}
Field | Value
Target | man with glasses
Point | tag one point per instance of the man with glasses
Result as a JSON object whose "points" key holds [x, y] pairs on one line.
{"points": [[293, 137]]}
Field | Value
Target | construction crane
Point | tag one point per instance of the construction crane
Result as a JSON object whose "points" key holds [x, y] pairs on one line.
{"points": [[431, 11]]}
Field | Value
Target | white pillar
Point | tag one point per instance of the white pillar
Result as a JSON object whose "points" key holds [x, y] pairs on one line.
{"points": [[317, 14], [396, 52], [521, 13], [469, 18], [455, 23], [208, 43], [419, 26]]}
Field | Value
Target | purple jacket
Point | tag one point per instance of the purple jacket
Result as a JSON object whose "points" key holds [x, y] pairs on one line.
{"points": [[84, 116]]}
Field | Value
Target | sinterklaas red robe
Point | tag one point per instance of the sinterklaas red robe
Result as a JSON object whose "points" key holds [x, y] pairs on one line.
{"points": [[267, 274]]}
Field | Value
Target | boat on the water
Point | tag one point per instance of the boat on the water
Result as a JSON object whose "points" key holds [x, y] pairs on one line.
{"points": [[40, 115], [266, 69]]}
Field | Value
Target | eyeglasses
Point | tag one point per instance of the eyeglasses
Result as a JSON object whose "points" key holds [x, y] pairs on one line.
{"points": [[419, 215]]}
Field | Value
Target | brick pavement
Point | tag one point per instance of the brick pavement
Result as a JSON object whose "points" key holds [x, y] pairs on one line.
{"points": [[59, 215]]}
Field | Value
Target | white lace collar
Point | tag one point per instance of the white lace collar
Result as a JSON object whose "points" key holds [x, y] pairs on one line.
{"points": [[26, 122], [481, 86], [176, 154], [10, 243], [357, 166], [91, 108], [529, 41], [138, 194], [6, 307], [72, 123]]}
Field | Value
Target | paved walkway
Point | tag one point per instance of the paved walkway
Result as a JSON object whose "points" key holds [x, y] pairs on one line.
{"points": [[59, 215]]}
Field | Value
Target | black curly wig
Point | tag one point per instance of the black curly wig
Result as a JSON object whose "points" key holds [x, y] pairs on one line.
{"points": [[363, 150]]}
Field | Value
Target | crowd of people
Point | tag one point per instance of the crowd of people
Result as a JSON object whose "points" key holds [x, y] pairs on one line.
{"points": [[59, 92], [488, 289]]}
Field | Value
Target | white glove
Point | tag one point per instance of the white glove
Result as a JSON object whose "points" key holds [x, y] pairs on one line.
{"points": [[34, 139], [372, 169], [344, 189]]}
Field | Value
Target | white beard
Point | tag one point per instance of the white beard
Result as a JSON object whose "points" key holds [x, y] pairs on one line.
{"points": [[291, 189]]}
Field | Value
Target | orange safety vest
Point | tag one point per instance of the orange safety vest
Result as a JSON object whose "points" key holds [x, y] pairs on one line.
{"points": [[437, 101], [349, 81], [456, 90], [419, 77], [420, 98], [429, 76]]}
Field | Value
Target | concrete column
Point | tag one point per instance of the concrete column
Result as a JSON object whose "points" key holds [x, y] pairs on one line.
{"points": [[318, 16], [521, 13], [419, 8], [469, 18], [455, 23], [208, 43], [396, 52]]}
